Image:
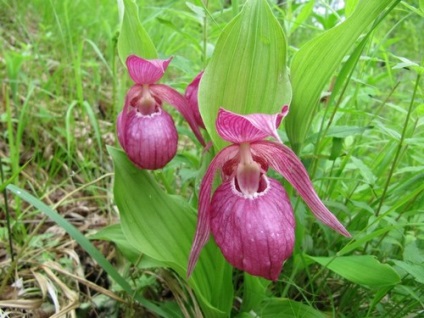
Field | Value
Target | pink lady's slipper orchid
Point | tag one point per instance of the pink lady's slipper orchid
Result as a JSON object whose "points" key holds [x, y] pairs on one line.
{"points": [[249, 214], [191, 96], [146, 132]]}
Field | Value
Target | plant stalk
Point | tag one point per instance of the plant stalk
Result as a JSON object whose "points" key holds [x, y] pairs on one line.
{"points": [[399, 147]]}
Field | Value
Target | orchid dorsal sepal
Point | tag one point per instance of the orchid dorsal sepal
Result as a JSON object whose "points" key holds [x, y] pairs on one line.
{"points": [[237, 128], [143, 71]]}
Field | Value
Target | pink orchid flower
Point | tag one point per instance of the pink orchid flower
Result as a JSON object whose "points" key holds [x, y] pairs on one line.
{"points": [[146, 131], [191, 93], [250, 214]]}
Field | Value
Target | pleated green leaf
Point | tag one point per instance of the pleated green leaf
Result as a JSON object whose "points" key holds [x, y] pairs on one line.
{"points": [[317, 60], [247, 72], [162, 227], [361, 269], [133, 38]]}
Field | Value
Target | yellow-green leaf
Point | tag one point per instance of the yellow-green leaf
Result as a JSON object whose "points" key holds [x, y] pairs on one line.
{"points": [[280, 307], [317, 60], [361, 269], [247, 72], [133, 38], [162, 227]]}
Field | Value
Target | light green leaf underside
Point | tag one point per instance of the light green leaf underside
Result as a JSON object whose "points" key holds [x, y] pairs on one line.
{"points": [[247, 72], [361, 269], [316, 62], [133, 38], [162, 227]]}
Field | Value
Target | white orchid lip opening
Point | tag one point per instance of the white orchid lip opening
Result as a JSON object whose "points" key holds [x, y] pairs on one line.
{"points": [[250, 214], [146, 131]]}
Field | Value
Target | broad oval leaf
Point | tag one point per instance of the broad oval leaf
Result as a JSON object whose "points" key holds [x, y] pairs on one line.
{"points": [[133, 38], [247, 72], [162, 227], [361, 269], [315, 62], [280, 307]]}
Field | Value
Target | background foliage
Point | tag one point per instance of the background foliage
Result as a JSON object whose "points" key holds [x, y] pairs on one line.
{"points": [[62, 85]]}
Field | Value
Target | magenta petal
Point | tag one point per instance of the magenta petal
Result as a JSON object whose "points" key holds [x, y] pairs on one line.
{"points": [[203, 228], [150, 141], [122, 120], [285, 161], [191, 95], [254, 234], [144, 71], [172, 97], [237, 128]]}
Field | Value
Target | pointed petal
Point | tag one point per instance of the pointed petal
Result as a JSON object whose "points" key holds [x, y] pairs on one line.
{"points": [[150, 141], [172, 97], [203, 228], [191, 95], [285, 161], [254, 234], [144, 71], [237, 128]]}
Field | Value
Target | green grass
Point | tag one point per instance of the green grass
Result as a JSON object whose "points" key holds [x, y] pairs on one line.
{"points": [[62, 86]]}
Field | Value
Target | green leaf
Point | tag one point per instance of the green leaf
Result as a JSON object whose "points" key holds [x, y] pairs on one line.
{"points": [[350, 7], [413, 260], [162, 227], [360, 241], [408, 64], [279, 307], [133, 38], [336, 148], [247, 72], [361, 269], [413, 254], [254, 291], [415, 270], [305, 11], [345, 131], [316, 61], [419, 11], [364, 170], [113, 233]]}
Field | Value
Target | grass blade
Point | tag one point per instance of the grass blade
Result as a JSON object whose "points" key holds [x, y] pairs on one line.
{"points": [[86, 245]]}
